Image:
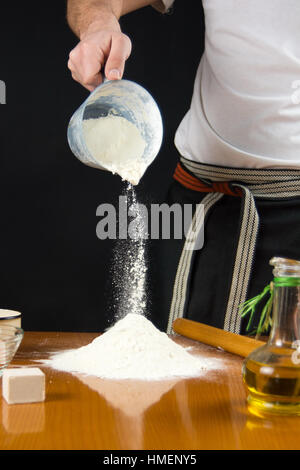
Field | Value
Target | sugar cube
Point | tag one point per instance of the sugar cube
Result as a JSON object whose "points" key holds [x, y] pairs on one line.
{"points": [[23, 385]]}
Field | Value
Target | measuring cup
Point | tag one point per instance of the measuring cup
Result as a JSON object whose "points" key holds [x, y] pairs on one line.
{"points": [[121, 98]]}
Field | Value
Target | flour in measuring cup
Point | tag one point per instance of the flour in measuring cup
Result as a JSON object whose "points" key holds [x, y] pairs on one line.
{"points": [[118, 144]]}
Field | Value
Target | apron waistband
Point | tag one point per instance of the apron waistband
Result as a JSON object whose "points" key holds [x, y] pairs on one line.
{"points": [[248, 184]]}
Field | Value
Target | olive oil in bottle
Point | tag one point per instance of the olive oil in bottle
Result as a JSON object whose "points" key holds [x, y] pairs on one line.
{"points": [[271, 373]]}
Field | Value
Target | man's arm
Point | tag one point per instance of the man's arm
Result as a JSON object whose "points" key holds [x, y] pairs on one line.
{"points": [[82, 13], [102, 43]]}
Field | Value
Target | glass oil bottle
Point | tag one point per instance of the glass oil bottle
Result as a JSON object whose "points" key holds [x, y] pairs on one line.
{"points": [[271, 373]]}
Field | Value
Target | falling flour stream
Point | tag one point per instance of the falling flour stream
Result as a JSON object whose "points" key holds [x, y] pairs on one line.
{"points": [[129, 266]]}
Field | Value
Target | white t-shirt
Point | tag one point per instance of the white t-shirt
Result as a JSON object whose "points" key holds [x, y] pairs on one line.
{"points": [[245, 109]]}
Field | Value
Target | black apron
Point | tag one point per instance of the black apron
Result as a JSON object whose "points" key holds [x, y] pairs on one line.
{"points": [[250, 215]]}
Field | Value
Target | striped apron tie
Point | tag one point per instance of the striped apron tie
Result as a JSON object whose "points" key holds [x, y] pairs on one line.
{"points": [[248, 184]]}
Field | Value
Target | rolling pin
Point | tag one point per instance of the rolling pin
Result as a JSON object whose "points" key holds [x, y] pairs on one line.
{"points": [[230, 342]]}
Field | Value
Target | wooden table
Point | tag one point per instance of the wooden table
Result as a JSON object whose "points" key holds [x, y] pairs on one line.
{"points": [[88, 413]]}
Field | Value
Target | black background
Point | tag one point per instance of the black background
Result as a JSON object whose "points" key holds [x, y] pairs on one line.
{"points": [[53, 268]]}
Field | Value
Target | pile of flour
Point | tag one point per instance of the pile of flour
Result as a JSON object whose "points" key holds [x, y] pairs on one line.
{"points": [[117, 144], [132, 349]]}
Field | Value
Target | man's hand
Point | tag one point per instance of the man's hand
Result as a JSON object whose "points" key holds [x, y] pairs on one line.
{"points": [[102, 50]]}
